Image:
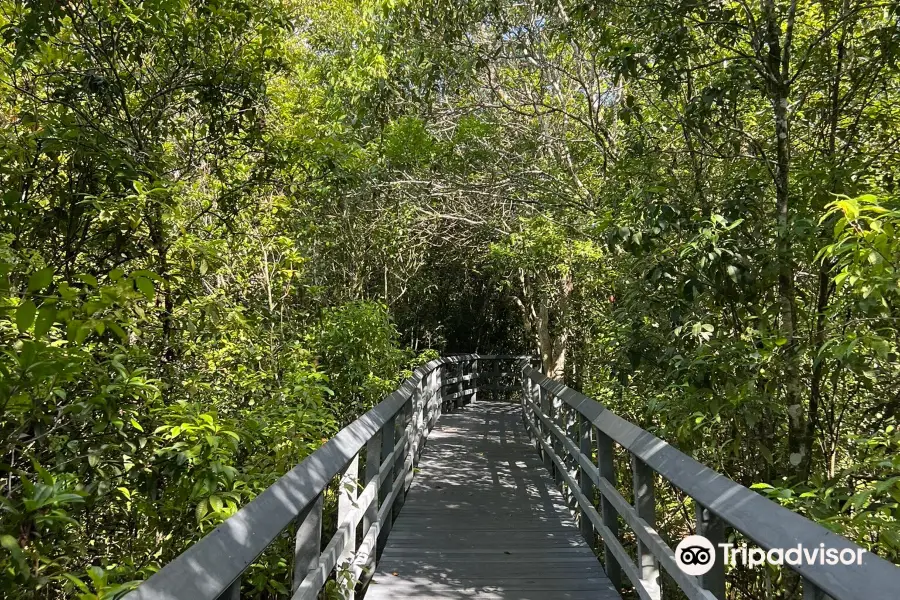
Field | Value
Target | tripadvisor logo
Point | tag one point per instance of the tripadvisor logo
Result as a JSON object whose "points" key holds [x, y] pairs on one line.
{"points": [[696, 555]]}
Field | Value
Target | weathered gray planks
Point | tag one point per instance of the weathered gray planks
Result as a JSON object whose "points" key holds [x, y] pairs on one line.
{"points": [[483, 520]]}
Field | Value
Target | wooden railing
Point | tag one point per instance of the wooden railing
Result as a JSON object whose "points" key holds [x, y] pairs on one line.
{"points": [[389, 439], [570, 429]]}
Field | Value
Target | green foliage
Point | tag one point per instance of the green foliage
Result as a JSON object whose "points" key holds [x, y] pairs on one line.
{"points": [[168, 342], [407, 143], [866, 251], [358, 348], [222, 223]]}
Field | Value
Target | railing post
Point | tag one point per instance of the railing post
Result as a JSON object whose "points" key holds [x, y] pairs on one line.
{"points": [[545, 434], [449, 388], [308, 542], [460, 385], [387, 446], [400, 463], [439, 383], [712, 528], [411, 444], [645, 506], [526, 396], [607, 470], [470, 384], [433, 399], [346, 500], [535, 396], [495, 380], [445, 404], [573, 432], [419, 420], [529, 394], [586, 484], [475, 381], [450, 402], [370, 516], [558, 418]]}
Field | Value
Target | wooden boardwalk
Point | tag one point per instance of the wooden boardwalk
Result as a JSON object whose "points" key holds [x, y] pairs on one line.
{"points": [[484, 521]]}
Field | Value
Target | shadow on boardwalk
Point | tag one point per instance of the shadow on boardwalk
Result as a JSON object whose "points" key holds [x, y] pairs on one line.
{"points": [[484, 521]]}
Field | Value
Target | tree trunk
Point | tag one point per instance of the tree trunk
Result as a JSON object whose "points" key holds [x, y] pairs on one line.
{"points": [[544, 319], [777, 70]]}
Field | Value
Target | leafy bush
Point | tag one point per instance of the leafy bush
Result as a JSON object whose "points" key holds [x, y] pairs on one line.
{"points": [[358, 348]]}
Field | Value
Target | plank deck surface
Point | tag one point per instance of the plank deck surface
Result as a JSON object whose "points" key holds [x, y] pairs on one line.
{"points": [[484, 521]]}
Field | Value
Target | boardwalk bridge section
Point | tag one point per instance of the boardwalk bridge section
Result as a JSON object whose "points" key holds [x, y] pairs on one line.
{"points": [[506, 501]]}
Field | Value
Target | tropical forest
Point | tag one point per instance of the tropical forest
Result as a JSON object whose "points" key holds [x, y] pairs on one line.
{"points": [[228, 229]]}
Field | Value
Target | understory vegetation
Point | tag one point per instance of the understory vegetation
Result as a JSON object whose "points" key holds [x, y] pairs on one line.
{"points": [[227, 229]]}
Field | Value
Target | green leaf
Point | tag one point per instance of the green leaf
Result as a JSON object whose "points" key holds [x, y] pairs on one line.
{"points": [[82, 333], [895, 494], [201, 510], [115, 328], [40, 279], [881, 346], [732, 272], [46, 317], [98, 576], [43, 473], [67, 498], [77, 583], [10, 544], [88, 279], [146, 287], [25, 315], [216, 503], [891, 538]]}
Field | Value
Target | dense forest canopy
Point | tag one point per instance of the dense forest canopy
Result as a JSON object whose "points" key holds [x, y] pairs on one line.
{"points": [[228, 228]]}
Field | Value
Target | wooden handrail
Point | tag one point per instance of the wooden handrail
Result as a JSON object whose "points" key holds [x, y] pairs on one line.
{"points": [[720, 502]]}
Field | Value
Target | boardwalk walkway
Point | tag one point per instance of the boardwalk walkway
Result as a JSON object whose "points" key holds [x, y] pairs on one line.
{"points": [[484, 521], [480, 518]]}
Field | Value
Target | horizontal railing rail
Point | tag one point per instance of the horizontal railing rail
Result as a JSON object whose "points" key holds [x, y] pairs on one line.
{"points": [[391, 436], [569, 428]]}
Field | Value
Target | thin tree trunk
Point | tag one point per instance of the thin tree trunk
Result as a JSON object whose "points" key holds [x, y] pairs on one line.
{"points": [[777, 69]]}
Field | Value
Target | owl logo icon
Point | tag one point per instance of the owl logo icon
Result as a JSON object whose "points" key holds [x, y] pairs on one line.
{"points": [[695, 555]]}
